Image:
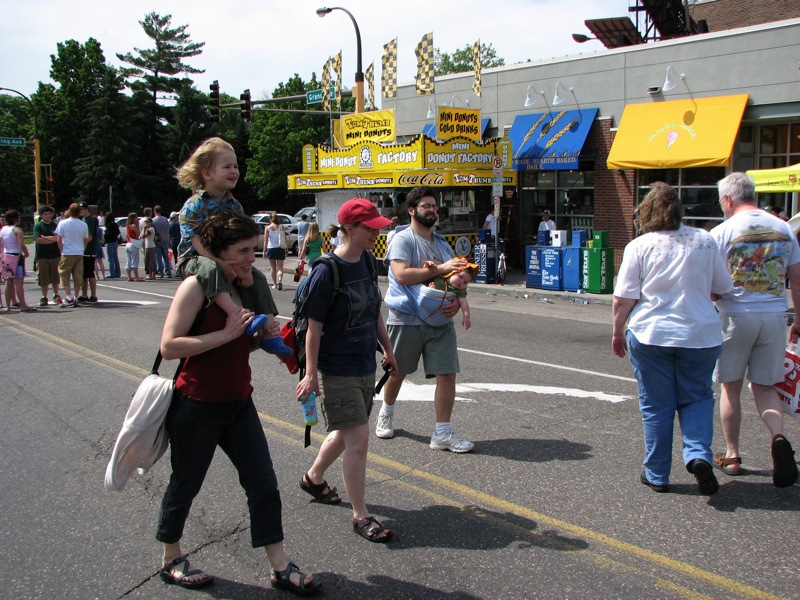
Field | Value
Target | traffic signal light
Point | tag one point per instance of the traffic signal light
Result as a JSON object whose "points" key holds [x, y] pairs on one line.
{"points": [[214, 96], [245, 106]]}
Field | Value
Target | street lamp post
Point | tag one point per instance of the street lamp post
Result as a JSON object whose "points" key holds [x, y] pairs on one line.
{"points": [[359, 87], [37, 167]]}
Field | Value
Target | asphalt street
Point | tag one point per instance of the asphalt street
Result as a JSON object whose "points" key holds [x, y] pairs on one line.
{"points": [[549, 504]]}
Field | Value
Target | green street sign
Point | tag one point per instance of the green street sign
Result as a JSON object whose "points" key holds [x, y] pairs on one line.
{"points": [[4, 141], [315, 96]]}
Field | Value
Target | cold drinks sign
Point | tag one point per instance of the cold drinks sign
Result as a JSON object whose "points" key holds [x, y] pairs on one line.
{"points": [[458, 122]]}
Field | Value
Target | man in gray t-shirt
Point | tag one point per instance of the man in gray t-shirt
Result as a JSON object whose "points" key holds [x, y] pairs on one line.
{"points": [[411, 337], [161, 225]]}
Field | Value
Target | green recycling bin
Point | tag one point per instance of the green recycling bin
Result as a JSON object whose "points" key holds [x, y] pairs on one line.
{"points": [[598, 270]]}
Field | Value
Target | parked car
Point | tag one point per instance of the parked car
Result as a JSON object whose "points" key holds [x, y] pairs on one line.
{"points": [[289, 226], [311, 211], [121, 224]]}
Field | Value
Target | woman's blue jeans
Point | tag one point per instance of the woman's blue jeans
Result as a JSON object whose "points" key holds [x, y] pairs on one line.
{"points": [[113, 259], [195, 430], [674, 380]]}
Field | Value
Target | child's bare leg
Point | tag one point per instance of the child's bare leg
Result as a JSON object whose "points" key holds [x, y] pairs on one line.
{"points": [[226, 303]]}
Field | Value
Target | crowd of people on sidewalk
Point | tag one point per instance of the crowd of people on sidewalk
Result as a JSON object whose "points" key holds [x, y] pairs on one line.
{"points": [[70, 252], [690, 307]]}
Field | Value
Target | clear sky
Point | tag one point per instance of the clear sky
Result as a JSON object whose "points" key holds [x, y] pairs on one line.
{"points": [[258, 44]]}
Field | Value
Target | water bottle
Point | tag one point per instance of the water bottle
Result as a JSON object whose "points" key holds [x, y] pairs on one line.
{"points": [[309, 408]]}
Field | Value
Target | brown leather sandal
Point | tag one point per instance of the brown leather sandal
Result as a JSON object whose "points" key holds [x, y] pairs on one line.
{"points": [[371, 529], [728, 465], [318, 491]]}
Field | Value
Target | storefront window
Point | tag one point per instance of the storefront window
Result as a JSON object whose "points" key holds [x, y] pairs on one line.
{"points": [[568, 195], [697, 189], [769, 146]]}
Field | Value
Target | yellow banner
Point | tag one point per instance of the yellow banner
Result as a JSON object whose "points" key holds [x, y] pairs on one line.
{"points": [[368, 157], [784, 179], [458, 153], [310, 183], [453, 122], [309, 159], [400, 179], [370, 180], [375, 126]]}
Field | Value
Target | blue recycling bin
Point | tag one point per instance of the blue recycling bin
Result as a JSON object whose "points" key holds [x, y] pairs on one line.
{"points": [[579, 238], [552, 262], [486, 259], [571, 271], [533, 267], [543, 237]]}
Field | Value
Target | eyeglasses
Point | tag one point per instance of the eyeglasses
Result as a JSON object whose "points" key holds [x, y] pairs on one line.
{"points": [[427, 206], [370, 229]]}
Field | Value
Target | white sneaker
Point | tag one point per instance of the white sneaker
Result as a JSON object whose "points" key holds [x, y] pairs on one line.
{"points": [[450, 442], [385, 427]]}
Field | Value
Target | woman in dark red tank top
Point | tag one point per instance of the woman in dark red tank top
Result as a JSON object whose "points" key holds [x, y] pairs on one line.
{"points": [[212, 406]]}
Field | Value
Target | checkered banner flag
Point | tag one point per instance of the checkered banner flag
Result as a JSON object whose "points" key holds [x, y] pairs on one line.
{"points": [[389, 70], [369, 79], [476, 65], [326, 86], [337, 70], [425, 73]]}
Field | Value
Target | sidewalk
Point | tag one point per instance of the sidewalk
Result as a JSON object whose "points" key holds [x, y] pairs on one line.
{"points": [[514, 285]]}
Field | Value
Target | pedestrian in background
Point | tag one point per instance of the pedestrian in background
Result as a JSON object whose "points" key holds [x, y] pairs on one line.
{"points": [[311, 249], [111, 235], [161, 225], [174, 237], [73, 235], [13, 262], [663, 293], [133, 247], [47, 254], [89, 284], [148, 236], [274, 250]]}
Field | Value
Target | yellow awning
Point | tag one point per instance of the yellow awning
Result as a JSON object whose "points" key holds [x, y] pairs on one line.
{"points": [[679, 133], [785, 179]]}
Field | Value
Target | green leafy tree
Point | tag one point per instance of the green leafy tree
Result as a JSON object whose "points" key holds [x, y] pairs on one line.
{"points": [[277, 140], [460, 61], [16, 164], [109, 152], [81, 73], [152, 76], [154, 70]]}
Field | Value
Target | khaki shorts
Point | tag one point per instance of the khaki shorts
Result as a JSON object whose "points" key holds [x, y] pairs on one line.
{"points": [[71, 266], [755, 343], [438, 347], [48, 271], [346, 401]]}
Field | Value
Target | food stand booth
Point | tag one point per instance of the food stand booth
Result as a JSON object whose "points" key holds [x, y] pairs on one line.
{"points": [[459, 169]]}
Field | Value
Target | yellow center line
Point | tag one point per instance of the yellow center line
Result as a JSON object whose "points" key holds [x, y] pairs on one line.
{"points": [[405, 471], [660, 560]]}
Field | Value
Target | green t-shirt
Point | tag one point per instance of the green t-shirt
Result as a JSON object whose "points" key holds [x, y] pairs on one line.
{"points": [[46, 250], [441, 284], [92, 246]]}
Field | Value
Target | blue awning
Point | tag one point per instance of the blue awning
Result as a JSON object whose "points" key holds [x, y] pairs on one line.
{"points": [[430, 128], [550, 141]]}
